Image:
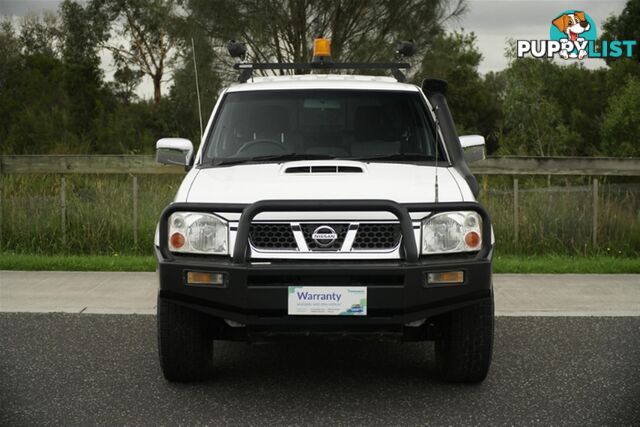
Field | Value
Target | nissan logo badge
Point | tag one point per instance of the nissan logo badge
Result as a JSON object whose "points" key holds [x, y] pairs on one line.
{"points": [[324, 236]]}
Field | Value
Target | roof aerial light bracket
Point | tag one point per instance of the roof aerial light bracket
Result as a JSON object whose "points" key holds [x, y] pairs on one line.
{"points": [[405, 49], [395, 67], [246, 72], [239, 50], [398, 75], [322, 60]]}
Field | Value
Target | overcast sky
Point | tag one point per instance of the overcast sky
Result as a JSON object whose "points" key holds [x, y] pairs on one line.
{"points": [[493, 22]]}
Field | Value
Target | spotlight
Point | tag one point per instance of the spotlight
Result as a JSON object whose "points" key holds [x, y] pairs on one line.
{"points": [[406, 48], [237, 49]]}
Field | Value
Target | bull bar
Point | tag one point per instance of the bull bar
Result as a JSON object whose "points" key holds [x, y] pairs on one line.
{"points": [[241, 253]]}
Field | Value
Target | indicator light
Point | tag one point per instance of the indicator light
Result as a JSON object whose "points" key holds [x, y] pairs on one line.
{"points": [[445, 277], [472, 239], [203, 278], [177, 240]]}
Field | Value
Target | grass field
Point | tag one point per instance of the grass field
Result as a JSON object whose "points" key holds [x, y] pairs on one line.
{"points": [[97, 215], [501, 264]]}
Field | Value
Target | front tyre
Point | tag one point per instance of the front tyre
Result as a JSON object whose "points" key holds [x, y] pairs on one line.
{"points": [[185, 346], [463, 354]]}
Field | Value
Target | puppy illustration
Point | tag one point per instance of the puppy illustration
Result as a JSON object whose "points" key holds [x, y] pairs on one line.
{"points": [[573, 25]]}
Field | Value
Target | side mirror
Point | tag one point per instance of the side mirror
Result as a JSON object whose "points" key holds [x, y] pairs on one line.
{"points": [[473, 147], [174, 151]]}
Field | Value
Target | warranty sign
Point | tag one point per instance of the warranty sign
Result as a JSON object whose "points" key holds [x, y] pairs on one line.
{"points": [[327, 300]]}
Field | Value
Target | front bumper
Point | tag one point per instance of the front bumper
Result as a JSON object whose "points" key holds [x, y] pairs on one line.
{"points": [[255, 294]]}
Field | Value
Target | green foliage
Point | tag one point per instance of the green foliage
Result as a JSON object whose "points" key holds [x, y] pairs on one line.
{"points": [[552, 109], [619, 72], [562, 264], [125, 82], [39, 35], [82, 76], [621, 124], [626, 26], [543, 132], [32, 95]]}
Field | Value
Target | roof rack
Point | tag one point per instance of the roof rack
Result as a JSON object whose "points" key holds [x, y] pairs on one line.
{"points": [[246, 68], [321, 60]]}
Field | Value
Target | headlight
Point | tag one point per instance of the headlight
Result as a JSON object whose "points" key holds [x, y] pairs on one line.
{"points": [[199, 233], [449, 232]]}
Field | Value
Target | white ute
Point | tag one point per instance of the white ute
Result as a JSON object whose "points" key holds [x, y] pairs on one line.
{"points": [[326, 205]]}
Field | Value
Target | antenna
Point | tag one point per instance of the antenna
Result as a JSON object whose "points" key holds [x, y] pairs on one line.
{"points": [[195, 69], [435, 109]]}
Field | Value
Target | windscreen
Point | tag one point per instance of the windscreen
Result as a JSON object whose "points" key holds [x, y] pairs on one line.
{"points": [[340, 124]]}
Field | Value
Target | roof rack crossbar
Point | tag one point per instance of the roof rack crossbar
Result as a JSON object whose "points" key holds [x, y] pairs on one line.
{"points": [[395, 67]]}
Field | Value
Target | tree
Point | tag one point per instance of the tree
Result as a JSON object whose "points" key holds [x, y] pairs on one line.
{"points": [[54, 99], [533, 123], [40, 34], [536, 95], [621, 122], [494, 86], [626, 26], [32, 96], [82, 30], [9, 52], [124, 84], [360, 31], [145, 25], [10, 65], [183, 95]]}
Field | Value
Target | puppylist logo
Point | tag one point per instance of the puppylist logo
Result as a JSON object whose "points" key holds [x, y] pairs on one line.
{"points": [[573, 35]]}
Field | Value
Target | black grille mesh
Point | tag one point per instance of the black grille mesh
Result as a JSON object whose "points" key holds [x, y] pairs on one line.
{"points": [[377, 236], [272, 236], [279, 236]]}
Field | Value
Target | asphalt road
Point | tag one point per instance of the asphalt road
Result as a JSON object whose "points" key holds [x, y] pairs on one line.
{"points": [[70, 369]]}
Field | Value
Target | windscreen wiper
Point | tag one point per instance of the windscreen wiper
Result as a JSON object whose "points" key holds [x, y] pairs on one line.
{"points": [[396, 156], [274, 157]]}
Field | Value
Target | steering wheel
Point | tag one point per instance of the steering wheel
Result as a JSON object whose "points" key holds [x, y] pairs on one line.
{"points": [[248, 145]]}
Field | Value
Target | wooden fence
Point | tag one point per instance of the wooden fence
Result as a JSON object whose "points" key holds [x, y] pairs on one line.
{"points": [[514, 166], [140, 165]]}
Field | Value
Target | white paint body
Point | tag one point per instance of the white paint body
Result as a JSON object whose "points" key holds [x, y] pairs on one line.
{"points": [[249, 183]]}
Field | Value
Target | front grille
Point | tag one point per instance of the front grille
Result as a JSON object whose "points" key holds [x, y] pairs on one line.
{"points": [[272, 236], [308, 230], [377, 236], [368, 237]]}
